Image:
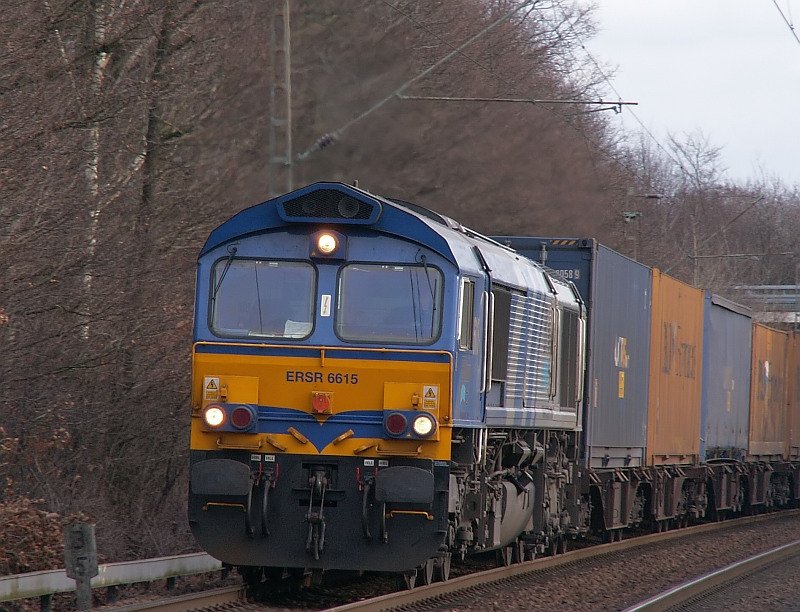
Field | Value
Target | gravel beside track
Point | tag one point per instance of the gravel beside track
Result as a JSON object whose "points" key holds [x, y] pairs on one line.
{"points": [[613, 581], [621, 579], [775, 588]]}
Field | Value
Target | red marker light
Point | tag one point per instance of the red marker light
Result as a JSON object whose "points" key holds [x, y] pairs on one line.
{"points": [[321, 402], [242, 417], [396, 424]]}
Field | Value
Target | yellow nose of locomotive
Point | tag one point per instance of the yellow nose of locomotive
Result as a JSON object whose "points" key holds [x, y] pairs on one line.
{"points": [[325, 405]]}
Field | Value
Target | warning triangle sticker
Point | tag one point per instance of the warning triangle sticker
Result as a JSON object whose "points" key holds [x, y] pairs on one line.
{"points": [[430, 393], [211, 385]]}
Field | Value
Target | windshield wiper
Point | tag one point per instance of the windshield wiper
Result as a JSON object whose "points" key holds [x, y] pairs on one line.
{"points": [[432, 288], [231, 253]]}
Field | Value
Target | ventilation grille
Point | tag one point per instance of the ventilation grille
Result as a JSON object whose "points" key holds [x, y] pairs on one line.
{"points": [[330, 204], [530, 350]]}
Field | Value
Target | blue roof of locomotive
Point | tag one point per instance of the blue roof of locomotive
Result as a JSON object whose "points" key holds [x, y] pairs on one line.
{"points": [[439, 233], [266, 216]]}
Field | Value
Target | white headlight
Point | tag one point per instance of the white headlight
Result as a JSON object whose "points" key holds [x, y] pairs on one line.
{"points": [[326, 244], [423, 425], [214, 416]]}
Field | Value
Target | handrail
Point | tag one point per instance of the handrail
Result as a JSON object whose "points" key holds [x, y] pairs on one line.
{"points": [[48, 582]]}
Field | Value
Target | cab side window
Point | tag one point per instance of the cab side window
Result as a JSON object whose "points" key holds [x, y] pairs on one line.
{"points": [[568, 357], [500, 332], [466, 314]]}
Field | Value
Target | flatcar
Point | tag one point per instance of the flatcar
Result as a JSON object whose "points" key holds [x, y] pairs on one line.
{"points": [[377, 387]]}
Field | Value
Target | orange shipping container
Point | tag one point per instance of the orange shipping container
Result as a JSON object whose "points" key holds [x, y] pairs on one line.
{"points": [[793, 412], [676, 358], [769, 393]]}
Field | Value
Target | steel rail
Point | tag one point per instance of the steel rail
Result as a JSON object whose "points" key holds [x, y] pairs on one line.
{"points": [[190, 601], [710, 582], [404, 598]]}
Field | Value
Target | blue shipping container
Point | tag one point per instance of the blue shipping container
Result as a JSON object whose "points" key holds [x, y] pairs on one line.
{"points": [[616, 290], [725, 403]]}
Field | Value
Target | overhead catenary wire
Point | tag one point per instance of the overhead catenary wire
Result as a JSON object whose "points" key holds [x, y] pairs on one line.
{"points": [[417, 23], [545, 104], [516, 100], [788, 21], [708, 238], [677, 162], [515, 87], [331, 137], [644, 128], [620, 103], [731, 222], [744, 255]]}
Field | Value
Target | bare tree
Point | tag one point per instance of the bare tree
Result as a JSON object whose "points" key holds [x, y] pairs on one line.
{"points": [[101, 210]]}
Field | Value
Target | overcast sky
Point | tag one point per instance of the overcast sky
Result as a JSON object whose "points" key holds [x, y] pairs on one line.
{"points": [[729, 68]]}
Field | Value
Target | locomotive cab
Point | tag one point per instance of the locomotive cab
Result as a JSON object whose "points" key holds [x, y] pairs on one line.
{"points": [[322, 374]]}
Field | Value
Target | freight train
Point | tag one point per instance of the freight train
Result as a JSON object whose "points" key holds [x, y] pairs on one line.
{"points": [[377, 387]]}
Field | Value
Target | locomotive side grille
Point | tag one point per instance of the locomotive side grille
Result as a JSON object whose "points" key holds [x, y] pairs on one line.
{"points": [[518, 347], [328, 204], [529, 351]]}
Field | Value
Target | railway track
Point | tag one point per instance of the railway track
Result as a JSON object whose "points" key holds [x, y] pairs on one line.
{"points": [[694, 591], [225, 598], [450, 594], [474, 586]]}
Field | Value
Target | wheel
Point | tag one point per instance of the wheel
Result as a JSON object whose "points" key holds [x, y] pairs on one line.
{"points": [[441, 568], [316, 576], [552, 546], [612, 535], [408, 580], [530, 552], [563, 545], [251, 575], [518, 552], [296, 578], [505, 556], [425, 572]]}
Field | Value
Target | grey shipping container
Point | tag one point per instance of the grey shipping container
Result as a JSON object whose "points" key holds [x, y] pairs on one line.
{"points": [[616, 290], [725, 412]]}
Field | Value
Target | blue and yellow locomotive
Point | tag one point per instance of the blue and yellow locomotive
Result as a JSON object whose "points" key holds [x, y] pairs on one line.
{"points": [[376, 387]]}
